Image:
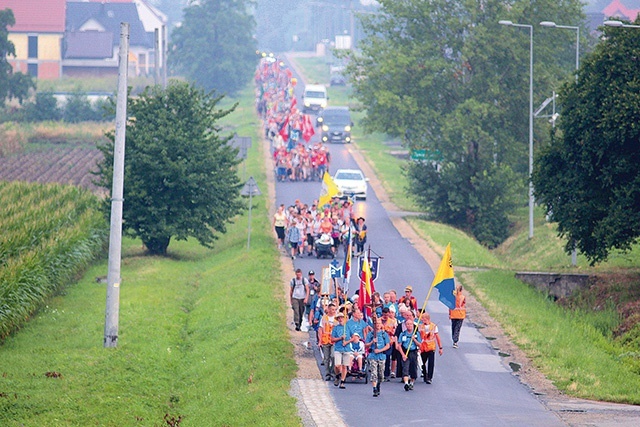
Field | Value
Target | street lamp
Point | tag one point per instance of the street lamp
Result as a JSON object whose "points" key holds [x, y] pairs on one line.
{"points": [[531, 199], [550, 24], [613, 23]]}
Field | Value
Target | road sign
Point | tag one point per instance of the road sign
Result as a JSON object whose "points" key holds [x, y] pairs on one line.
{"points": [[242, 143], [419, 155], [424, 154], [250, 188]]}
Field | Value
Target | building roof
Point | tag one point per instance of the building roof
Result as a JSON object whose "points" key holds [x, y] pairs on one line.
{"points": [[616, 9], [88, 45], [36, 16], [108, 16]]}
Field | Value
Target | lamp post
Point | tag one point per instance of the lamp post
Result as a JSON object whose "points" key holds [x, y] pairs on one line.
{"points": [[531, 199], [550, 24], [613, 23]]}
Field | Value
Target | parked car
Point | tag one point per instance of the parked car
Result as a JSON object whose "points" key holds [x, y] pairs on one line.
{"points": [[336, 124], [351, 182]]}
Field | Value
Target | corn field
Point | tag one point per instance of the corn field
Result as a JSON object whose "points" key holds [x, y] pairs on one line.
{"points": [[50, 233]]}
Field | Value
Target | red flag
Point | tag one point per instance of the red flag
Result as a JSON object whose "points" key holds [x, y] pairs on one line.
{"points": [[284, 130], [294, 102], [307, 128], [366, 287]]}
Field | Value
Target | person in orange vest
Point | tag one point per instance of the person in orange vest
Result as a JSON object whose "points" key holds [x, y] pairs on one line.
{"points": [[430, 339], [457, 315], [325, 328]]}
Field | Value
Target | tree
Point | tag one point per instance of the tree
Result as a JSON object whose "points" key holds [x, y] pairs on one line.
{"points": [[444, 76], [43, 108], [180, 174], [7, 49], [15, 85], [215, 47], [588, 178]]}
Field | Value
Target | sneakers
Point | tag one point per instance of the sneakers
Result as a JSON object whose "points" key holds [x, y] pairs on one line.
{"points": [[336, 381], [410, 386], [376, 392], [386, 379], [428, 381], [455, 345], [341, 384], [393, 374], [406, 387], [293, 257], [327, 378]]}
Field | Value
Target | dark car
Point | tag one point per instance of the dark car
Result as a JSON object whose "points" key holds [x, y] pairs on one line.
{"points": [[337, 77], [336, 124]]}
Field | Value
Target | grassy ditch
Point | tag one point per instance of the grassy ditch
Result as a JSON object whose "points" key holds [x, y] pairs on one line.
{"points": [[588, 345], [202, 337]]}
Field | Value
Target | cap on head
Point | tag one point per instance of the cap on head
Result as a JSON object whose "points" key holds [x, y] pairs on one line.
{"points": [[408, 289], [311, 273], [339, 314]]}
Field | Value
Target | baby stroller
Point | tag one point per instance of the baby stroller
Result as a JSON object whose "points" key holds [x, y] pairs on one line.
{"points": [[323, 246]]}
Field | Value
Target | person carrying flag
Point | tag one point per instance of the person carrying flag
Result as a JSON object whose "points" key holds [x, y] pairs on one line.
{"points": [[377, 341], [457, 315], [341, 339], [408, 344]]}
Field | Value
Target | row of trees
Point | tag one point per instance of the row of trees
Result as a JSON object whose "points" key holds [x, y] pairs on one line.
{"points": [[446, 77], [44, 107]]}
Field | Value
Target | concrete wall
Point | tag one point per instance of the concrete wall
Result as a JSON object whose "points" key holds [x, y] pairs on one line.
{"points": [[555, 284]]}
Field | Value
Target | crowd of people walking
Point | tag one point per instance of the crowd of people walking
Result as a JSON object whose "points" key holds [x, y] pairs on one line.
{"points": [[390, 338]]}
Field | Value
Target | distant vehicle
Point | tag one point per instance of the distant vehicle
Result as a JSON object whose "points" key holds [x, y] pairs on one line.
{"points": [[336, 124], [314, 98], [351, 182], [337, 76]]}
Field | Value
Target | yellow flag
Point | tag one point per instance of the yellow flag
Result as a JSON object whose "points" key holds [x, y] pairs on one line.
{"points": [[329, 189]]}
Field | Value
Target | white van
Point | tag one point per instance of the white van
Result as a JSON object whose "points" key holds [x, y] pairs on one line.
{"points": [[314, 98]]}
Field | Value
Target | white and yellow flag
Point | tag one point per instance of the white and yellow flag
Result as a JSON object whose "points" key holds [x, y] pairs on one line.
{"points": [[329, 189]]}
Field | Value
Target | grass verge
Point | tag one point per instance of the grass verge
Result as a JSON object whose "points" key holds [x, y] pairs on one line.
{"points": [[202, 341]]}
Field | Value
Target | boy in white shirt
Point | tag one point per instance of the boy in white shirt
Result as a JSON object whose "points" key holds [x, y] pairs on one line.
{"points": [[356, 347]]}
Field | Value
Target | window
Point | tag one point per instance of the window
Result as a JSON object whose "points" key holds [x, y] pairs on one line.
{"points": [[32, 70], [33, 47]]}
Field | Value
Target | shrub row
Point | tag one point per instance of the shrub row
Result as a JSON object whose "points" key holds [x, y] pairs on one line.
{"points": [[52, 233]]}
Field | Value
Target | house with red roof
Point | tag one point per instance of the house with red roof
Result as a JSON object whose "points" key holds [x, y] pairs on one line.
{"points": [[37, 36], [618, 10], [53, 38]]}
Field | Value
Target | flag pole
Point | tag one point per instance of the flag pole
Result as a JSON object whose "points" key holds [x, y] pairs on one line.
{"points": [[424, 306]]}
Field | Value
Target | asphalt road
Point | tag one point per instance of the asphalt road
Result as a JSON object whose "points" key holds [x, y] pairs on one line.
{"points": [[471, 386]]}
